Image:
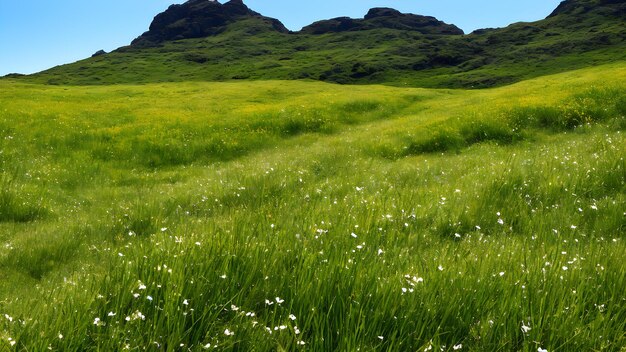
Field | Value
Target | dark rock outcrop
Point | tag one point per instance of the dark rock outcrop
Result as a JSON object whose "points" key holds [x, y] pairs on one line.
{"points": [[615, 8], [384, 18], [333, 25], [200, 18], [13, 75], [570, 7], [98, 53]]}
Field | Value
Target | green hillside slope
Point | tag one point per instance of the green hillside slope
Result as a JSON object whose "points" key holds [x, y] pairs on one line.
{"points": [[383, 48], [282, 215]]}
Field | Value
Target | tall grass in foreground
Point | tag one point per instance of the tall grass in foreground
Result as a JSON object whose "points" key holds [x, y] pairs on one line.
{"points": [[314, 242], [518, 262]]}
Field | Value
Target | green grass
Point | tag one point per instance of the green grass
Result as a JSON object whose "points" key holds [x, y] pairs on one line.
{"points": [[273, 215]]}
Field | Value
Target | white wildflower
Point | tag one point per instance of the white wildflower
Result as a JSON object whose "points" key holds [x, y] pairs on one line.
{"points": [[138, 316]]}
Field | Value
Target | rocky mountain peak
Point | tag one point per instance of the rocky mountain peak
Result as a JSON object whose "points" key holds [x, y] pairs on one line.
{"points": [[237, 7], [615, 8], [382, 17], [198, 19], [382, 12]]}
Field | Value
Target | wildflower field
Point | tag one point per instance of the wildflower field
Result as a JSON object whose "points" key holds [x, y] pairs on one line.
{"points": [[298, 215]]}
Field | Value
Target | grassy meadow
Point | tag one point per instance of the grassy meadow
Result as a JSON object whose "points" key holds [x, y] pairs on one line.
{"points": [[290, 215]]}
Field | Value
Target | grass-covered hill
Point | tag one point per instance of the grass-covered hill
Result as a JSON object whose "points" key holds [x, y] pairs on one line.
{"points": [[287, 216], [207, 41]]}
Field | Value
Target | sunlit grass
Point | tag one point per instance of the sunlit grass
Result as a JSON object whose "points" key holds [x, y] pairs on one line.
{"points": [[299, 215]]}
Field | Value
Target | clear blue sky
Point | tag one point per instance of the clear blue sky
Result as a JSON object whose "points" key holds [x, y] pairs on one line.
{"points": [[39, 34]]}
